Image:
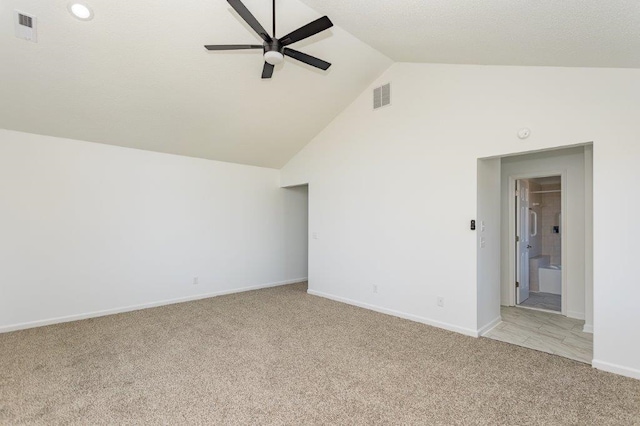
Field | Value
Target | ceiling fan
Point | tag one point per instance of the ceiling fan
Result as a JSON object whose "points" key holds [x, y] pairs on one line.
{"points": [[275, 48]]}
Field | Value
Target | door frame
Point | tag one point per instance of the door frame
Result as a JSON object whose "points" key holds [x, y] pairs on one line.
{"points": [[525, 237], [512, 232]]}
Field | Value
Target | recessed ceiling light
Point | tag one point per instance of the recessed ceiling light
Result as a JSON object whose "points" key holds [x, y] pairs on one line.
{"points": [[81, 11]]}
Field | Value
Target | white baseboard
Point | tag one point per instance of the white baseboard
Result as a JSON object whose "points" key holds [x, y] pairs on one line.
{"points": [[95, 314], [616, 369], [487, 328], [439, 324], [575, 314], [588, 328]]}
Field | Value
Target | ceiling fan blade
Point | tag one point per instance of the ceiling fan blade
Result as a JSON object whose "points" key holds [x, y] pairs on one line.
{"points": [[267, 71], [250, 19], [308, 30], [232, 46], [307, 59]]}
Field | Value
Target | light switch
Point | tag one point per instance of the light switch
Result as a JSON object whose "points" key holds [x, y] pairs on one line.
{"points": [[483, 242]]}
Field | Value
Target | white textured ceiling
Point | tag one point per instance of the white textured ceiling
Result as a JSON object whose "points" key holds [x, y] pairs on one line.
{"points": [[581, 33], [137, 75]]}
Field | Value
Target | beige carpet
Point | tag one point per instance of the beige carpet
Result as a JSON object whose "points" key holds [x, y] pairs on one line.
{"points": [[280, 356]]}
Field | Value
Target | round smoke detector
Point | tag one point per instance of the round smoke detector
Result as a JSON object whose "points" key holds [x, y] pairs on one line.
{"points": [[524, 133]]}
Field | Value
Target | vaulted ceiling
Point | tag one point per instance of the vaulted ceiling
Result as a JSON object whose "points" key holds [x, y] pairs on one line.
{"points": [[137, 75], [564, 33]]}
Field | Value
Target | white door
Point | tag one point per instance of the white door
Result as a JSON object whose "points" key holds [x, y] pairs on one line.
{"points": [[522, 241]]}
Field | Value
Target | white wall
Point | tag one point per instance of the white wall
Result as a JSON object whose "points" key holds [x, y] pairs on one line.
{"points": [[393, 190], [87, 228], [489, 243], [570, 162], [588, 243]]}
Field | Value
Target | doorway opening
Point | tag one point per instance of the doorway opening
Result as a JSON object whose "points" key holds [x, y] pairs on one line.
{"points": [[515, 305], [296, 227], [538, 243]]}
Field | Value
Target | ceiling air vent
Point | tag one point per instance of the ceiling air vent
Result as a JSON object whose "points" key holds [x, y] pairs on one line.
{"points": [[382, 96], [25, 26]]}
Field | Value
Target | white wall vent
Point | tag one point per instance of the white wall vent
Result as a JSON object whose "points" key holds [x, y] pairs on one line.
{"points": [[25, 26], [382, 96]]}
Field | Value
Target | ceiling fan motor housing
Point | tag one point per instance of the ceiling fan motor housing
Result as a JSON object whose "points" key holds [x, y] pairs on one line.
{"points": [[273, 46]]}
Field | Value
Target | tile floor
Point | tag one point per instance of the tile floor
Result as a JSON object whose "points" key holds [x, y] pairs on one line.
{"points": [[542, 300], [544, 331]]}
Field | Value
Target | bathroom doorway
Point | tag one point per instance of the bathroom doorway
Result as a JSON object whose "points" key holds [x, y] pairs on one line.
{"points": [[538, 243], [502, 312]]}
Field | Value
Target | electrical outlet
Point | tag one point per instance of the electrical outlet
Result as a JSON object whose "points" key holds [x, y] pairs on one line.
{"points": [[196, 280], [440, 302], [375, 288]]}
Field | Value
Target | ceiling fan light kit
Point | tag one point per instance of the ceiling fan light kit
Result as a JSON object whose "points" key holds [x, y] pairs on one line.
{"points": [[273, 57], [275, 49]]}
